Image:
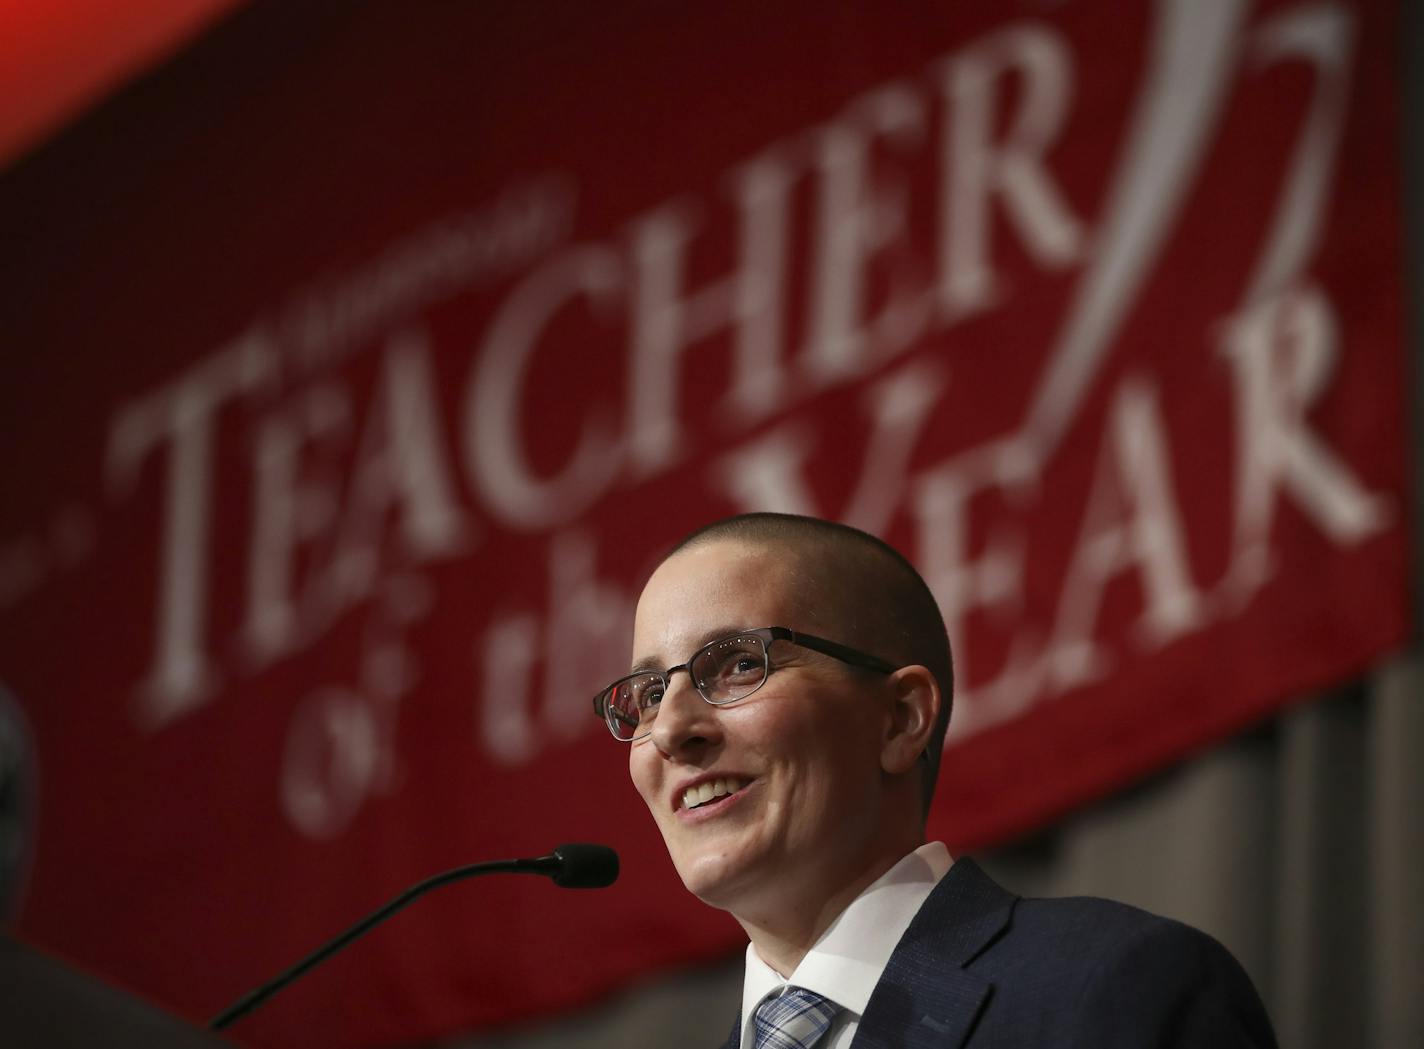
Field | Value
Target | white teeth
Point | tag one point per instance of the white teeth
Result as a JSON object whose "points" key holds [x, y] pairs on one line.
{"points": [[705, 792]]}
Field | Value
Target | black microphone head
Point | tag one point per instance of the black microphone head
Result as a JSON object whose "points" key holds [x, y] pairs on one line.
{"points": [[586, 866]]}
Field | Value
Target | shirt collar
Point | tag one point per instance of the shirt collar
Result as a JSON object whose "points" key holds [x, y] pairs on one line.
{"points": [[845, 964]]}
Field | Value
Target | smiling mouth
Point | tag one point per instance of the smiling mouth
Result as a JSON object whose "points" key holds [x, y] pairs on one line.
{"points": [[711, 790]]}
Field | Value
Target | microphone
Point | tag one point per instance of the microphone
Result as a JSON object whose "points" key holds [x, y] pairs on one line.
{"points": [[571, 867], [581, 866]]}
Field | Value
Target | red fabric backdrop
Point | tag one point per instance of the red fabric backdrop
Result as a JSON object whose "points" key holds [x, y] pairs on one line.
{"points": [[359, 364]]}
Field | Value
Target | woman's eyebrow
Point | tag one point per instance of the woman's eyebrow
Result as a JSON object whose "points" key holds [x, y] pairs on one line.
{"points": [[652, 664]]}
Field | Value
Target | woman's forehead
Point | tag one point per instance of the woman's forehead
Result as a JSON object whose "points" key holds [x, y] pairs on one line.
{"points": [[708, 586]]}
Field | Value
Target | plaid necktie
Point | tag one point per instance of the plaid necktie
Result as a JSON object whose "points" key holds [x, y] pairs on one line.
{"points": [[795, 1019]]}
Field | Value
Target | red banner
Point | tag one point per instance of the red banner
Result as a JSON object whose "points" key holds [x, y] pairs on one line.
{"points": [[359, 366]]}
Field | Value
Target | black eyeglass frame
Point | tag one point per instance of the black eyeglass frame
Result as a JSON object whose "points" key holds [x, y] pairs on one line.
{"points": [[767, 634]]}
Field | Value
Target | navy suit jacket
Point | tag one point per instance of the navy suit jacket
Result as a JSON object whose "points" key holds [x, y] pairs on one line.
{"points": [[981, 967]]}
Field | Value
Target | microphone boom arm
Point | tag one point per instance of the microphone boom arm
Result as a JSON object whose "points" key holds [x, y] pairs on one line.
{"points": [[568, 865]]}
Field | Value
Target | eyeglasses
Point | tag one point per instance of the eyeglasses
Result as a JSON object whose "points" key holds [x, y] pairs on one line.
{"points": [[723, 672]]}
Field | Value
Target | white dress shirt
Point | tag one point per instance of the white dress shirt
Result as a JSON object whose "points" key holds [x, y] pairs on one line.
{"points": [[845, 964]]}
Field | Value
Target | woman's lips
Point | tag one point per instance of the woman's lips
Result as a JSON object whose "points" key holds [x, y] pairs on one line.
{"points": [[716, 805]]}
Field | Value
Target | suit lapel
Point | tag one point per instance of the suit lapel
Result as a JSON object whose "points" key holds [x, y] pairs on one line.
{"points": [[734, 1040], [926, 999]]}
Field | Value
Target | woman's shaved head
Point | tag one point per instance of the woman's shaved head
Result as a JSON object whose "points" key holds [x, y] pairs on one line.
{"points": [[855, 589]]}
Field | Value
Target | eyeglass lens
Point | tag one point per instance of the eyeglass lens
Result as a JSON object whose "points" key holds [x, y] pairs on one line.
{"points": [[724, 671]]}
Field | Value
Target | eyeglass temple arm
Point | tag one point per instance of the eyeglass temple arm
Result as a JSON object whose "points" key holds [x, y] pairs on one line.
{"points": [[842, 652]]}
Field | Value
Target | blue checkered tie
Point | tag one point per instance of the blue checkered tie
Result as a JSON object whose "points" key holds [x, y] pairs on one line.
{"points": [[795, 1019]]}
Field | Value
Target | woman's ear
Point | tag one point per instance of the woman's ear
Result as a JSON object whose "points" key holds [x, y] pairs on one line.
{"points": [[915, 704]]}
